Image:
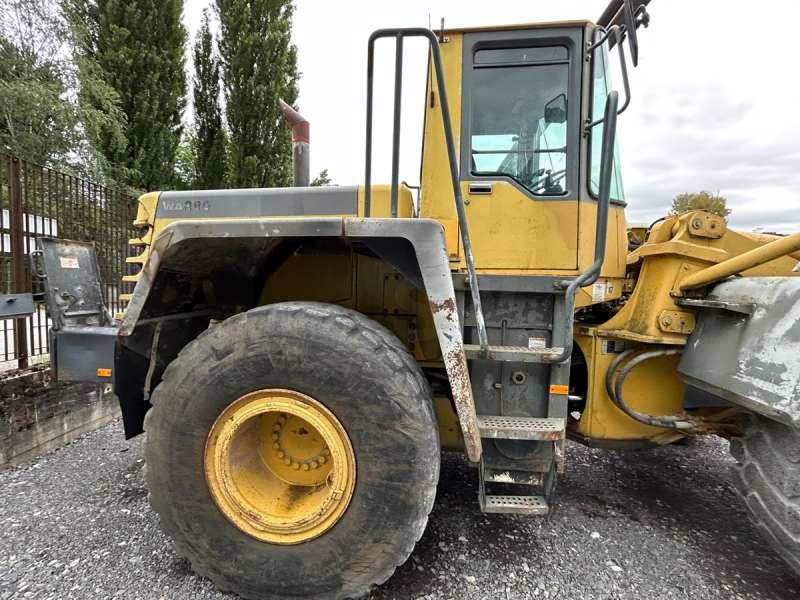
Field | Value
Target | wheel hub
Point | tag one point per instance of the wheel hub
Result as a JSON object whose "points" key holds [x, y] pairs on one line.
{"points": [[280, 466]]}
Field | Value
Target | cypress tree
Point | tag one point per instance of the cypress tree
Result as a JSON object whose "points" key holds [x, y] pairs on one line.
{"points": [[137, 48], [259, 67], [209, 139]]}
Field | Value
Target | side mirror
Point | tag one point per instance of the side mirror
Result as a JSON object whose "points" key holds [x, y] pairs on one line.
{"points": [[630, 31], [607, 158], [555, 111]]}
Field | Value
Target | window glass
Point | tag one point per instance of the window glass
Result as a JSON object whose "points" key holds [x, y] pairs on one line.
{"points": [[602, 85], [519, 123], [520, 55]]}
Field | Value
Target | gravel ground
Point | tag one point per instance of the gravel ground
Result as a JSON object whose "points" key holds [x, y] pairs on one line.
{"points": [[657, 524]]}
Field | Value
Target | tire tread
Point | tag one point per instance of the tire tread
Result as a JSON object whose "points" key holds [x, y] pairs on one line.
{"points": [[380, 339], [767, 479]]}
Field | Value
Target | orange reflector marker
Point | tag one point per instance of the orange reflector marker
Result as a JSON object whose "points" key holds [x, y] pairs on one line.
{"points": [[104, 372], [559, 389]]}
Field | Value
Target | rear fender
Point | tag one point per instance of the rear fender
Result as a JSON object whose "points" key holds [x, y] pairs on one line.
{"points": [[174, 249]]}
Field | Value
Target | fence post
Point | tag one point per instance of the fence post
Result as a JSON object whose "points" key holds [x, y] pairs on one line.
{"points": [[18, 257]]}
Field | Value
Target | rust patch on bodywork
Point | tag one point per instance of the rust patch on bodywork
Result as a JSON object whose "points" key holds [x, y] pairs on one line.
{"points": [[446, 307], [456, 364]]}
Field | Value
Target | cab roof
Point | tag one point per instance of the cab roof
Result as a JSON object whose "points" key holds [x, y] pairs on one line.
{"points": [[519, 26]]}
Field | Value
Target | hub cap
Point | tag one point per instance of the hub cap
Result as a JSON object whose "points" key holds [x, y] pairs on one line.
{"points": [[280, 466]]}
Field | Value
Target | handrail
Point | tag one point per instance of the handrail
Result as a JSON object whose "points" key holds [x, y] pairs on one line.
{"points": [[590, 275], [399, 34]]}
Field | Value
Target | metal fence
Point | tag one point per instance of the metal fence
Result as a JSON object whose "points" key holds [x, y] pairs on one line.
{"points": [[37, 201]]}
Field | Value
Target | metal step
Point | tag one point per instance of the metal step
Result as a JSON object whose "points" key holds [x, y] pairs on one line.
{"points": [[521, 428], [515, 505], [513, 353]]}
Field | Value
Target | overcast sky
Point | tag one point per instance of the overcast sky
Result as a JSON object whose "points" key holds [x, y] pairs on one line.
{"points": [[716, 98]]}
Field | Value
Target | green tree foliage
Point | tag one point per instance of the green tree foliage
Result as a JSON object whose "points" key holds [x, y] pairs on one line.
{"points": [[259, 66], [209, 135], [700, 201], [38, 121], [135, 49], [322, 179], [186, 175]]}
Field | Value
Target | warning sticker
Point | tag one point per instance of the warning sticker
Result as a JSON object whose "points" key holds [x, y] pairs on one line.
{"points": [[69, 262], [598, 291], [537, 342]]}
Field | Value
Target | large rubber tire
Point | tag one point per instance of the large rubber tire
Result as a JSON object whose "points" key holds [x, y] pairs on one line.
{"points": [[366, 378], [767, 478]]}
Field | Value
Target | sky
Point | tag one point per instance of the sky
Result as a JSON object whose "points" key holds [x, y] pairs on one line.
{"points": [[715, 99]]}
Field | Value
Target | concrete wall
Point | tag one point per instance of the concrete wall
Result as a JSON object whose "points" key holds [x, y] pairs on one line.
{"points": [[38, 415]]}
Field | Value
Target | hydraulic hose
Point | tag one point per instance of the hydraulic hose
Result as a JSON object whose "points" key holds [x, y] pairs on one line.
{"points": [[614, 389]]}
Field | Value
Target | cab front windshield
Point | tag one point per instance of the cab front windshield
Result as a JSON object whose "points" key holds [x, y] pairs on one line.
{"points": [[519, 116]]}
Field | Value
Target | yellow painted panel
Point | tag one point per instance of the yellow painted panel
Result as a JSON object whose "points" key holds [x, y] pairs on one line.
{"points": [[318, 277], [651, 388], [449, 428], [509, 230], [452, 236], [381, 201], [436, 199], [616, 239]]}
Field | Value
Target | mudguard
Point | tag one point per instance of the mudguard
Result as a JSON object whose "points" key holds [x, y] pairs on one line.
{"points": [[746, 346], [429, 266]]}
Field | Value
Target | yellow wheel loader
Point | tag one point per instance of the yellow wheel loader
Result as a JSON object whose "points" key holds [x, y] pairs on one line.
{"points": [[299, 357]]}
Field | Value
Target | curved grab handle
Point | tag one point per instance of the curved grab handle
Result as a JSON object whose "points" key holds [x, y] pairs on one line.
{"points": [[590, 275]]}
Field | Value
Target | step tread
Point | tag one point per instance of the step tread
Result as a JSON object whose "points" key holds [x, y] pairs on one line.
{"points": [[521, 428], [517, 505], [514, 353]]}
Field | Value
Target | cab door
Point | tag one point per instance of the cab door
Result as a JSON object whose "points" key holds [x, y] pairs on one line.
{"points": [[519, 146]]}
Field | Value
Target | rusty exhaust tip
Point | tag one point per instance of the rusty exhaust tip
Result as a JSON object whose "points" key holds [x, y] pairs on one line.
{"points": [[299, 124]]}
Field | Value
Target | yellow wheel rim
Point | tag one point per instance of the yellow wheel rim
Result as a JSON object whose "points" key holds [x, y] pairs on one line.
{"points": [[280, 466]]}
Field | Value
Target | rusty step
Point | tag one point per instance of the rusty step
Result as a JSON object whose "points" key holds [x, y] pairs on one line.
{"points": [[521, 428], [513, 353]]}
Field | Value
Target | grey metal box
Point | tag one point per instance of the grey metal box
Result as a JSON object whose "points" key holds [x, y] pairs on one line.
{"points": [[84, 353]]}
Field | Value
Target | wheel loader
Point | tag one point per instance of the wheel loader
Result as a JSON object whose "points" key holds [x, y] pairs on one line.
{"points": [[298, 358]]}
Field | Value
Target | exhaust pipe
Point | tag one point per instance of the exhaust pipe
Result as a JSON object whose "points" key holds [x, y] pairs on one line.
{"points": [[301, 165]]}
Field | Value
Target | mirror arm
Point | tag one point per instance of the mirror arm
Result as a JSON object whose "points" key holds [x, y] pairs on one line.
{"points": [[606, 33], [624, 68]]}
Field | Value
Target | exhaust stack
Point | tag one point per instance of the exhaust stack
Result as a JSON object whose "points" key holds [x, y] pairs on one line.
{"points": [[301, 165]]}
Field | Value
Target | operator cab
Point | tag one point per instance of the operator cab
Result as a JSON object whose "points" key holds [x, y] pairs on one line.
{"points": [[527, 107]]}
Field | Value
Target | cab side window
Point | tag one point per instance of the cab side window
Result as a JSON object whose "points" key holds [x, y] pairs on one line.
{"points": [[518, 122]]}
